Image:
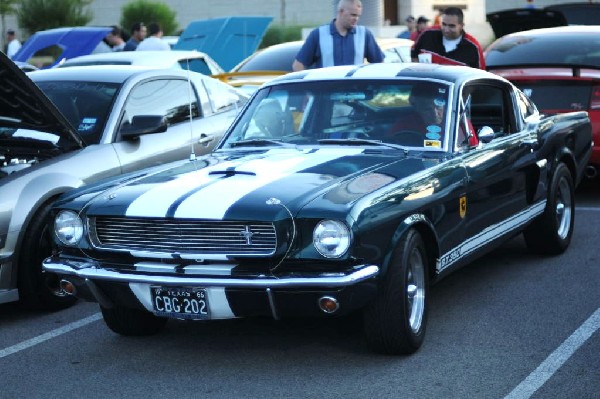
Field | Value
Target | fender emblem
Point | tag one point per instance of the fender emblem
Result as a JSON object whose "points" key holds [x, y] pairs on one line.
{"points": [[462, 206]]}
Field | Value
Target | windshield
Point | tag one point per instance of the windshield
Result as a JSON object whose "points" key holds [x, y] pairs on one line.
{"points": [[406, 113], [277, 58], [564, 48], [86, 105]]}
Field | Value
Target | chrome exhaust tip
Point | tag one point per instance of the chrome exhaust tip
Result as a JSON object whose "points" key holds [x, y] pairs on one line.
{"points": [[329, 304]]}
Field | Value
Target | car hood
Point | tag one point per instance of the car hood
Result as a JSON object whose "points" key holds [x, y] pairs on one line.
{"points": [[25, 106], [521, 19], [227, 40], [74, 41], [230, 186], [587, 13]]}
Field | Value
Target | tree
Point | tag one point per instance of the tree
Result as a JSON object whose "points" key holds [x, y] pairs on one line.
{"points": [[37, 15], [148, 12], [7, 7]]}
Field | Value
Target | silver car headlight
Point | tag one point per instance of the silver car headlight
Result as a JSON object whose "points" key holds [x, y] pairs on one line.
{"points": [[331, 238], [68, 227]]}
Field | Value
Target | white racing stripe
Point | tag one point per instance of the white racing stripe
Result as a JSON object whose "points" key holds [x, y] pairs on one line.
{"points": [[49, 335], [226, 192], [156, 201], [550, 366]]}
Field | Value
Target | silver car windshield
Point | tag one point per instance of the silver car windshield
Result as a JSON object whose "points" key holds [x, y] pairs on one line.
{"points": [[86, 105], [405, 113]]}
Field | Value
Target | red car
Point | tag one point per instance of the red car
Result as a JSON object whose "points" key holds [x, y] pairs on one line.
{"points": [[558, 68]]}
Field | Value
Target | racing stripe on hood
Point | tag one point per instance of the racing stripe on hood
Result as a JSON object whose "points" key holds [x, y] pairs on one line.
{"points": [[226, 192], [218, 190]]}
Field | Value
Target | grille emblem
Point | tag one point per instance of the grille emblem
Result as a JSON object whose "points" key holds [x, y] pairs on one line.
{"points": [[247, 234]]}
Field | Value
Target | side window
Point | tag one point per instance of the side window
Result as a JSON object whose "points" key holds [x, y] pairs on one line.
{"points": [[487, 108], [223, 97], [167, 97], [197, 65]]}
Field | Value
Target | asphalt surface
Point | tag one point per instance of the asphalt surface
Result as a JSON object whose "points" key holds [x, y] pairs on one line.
{"points": [[511, 325]]}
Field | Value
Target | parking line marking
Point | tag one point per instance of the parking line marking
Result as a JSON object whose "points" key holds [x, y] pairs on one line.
{"points": [[49, 335], [539, 376]]}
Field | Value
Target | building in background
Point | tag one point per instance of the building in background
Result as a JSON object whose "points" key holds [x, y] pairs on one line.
{"points": [[377, 14]]}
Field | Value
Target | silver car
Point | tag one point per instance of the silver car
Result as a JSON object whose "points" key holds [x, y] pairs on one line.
{"points": [[112, 120], [178, 59]]}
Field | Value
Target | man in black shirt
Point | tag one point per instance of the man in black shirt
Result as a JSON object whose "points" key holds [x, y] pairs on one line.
{"points": [[449, 43]]}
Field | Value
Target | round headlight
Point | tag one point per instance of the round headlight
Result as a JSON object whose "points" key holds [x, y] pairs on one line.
{"points": [[331, 238], [68, 227]]}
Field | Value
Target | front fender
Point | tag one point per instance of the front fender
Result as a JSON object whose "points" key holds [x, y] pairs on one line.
{"points": [[423, 225]]}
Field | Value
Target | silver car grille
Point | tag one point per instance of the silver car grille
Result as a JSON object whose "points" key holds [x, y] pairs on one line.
{"points": [[183, 236]]}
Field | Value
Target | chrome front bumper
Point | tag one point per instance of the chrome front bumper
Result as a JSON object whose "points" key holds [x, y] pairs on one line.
{"points": [[90, 271]]}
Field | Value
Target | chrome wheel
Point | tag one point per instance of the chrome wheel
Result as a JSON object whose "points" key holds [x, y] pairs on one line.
{"points": [[551, 232], [564, 206], [415, 290], [395, 322]]}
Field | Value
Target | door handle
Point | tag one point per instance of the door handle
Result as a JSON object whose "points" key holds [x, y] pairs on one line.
{"points": [[205, 139]]}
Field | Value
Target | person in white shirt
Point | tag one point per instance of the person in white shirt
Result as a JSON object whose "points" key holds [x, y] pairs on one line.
{"points": [[115, 39], [154, 41], [13, 44]]}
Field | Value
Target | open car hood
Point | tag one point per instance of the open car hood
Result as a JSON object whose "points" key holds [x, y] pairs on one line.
{"points": [[521, 19], [227, 40], [74, 41], [24, 106]]}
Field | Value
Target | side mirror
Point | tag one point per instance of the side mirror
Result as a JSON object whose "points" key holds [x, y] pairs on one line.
{"points": [[486, 134], [143, 124]]}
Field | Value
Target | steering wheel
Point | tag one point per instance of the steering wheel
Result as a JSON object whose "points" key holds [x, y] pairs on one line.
{"points": [[409, 138]]}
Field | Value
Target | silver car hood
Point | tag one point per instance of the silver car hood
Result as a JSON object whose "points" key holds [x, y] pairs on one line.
{"points": [[24, 106]]}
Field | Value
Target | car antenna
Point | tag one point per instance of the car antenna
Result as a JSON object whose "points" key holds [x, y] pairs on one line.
{"points": [[192, 153]]}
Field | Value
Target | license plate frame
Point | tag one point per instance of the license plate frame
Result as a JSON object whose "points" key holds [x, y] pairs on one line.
{"points": [[180, 302]]}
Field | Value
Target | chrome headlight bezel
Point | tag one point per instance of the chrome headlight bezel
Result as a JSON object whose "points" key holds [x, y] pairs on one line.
{"points": [[331, 238], [68, 228]]}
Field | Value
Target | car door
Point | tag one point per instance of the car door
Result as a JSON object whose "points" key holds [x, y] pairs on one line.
{"points": [[496, 197], [172, 98]]}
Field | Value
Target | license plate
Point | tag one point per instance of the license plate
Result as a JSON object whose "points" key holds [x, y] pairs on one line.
{"points": [[180, 302]]}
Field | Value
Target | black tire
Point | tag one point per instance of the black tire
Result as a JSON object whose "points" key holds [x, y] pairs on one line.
{"points": [[132, 322], [396, 321], [39, 289], [551, 232]]}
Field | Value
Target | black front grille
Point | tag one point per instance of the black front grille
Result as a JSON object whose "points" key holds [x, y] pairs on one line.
{"points": [[183, 236]]}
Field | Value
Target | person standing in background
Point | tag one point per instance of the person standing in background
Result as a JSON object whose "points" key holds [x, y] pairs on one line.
{"points": [[115, 39], [449, 43], [422, 25], [13, 44], [411, 26], [154, 41], [437, 21], [341, 42], [138, 33]]}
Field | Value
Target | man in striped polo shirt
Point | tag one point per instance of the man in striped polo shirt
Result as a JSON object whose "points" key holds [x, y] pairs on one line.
{"points": [[341, 42]]}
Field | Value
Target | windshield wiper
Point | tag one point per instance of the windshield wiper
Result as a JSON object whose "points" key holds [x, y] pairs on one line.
{"points": [[256, 142], [363, 142]]}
